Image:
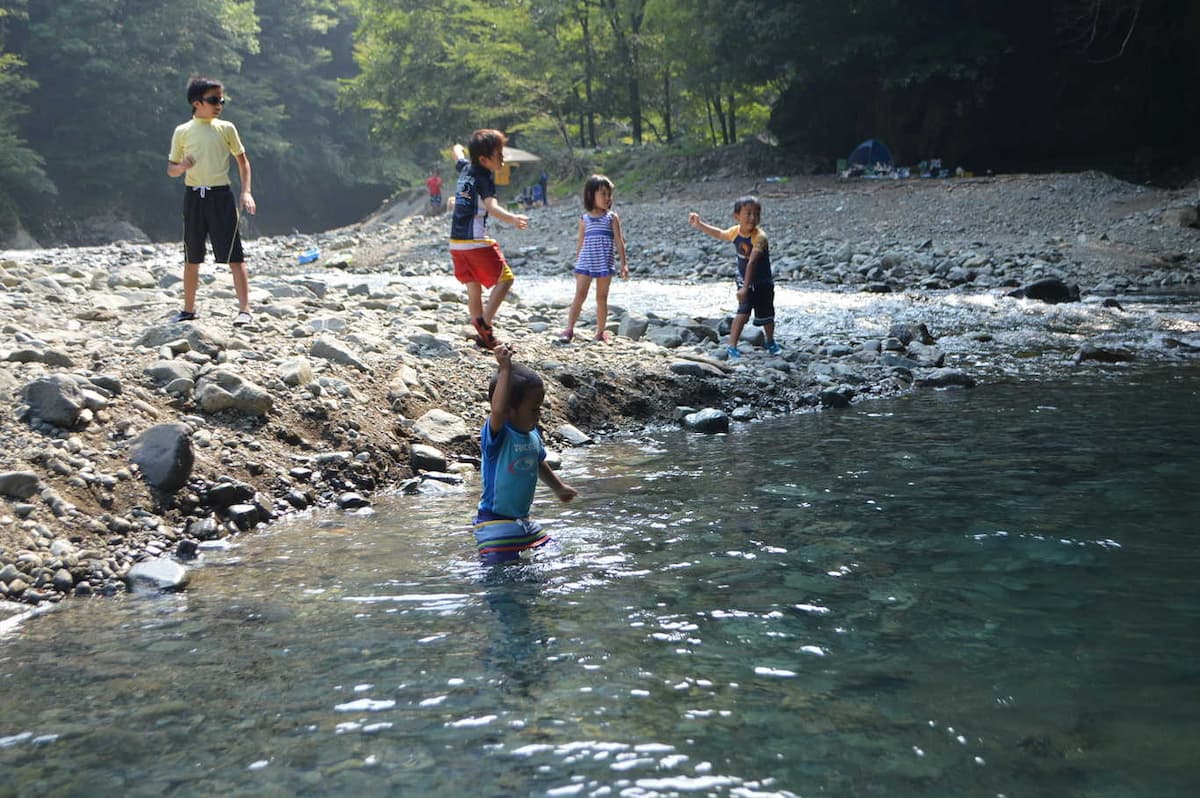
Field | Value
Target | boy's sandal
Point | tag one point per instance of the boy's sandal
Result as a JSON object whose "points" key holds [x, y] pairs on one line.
{"points": [[604, 337], [485, 337], [566, 335]]}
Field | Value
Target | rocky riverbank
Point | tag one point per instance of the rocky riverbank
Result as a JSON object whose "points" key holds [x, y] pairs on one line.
{"points": [[129, 439]]}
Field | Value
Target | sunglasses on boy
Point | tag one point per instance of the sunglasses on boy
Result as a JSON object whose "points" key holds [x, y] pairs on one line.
{"points": [[213, 100]]}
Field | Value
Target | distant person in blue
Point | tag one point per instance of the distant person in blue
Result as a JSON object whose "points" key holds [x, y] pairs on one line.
{"points": [[755, 284], [478, 261], [543, 181], [513, 460], [600, 240]]}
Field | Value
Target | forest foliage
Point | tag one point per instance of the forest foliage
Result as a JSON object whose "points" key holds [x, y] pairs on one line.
{"points": [[341, 102]]}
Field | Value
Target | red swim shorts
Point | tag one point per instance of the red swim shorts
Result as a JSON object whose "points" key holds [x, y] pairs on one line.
{"points": [[480, 262]]}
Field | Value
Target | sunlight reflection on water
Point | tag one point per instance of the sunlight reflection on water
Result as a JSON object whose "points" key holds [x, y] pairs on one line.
{"points": [[988, 333], [951, 593]]}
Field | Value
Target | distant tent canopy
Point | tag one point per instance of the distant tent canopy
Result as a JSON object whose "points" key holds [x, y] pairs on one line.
{"points": [[870, 153], [513, 158], [514, 155]]}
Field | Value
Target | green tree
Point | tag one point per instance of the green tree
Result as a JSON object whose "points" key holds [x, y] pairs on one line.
{"points": [[22, 172], [439, 68], [111, 76], [311, 156]]}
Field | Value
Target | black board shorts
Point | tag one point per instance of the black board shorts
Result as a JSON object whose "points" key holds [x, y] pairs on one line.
{"points": [[761, 300], [210, 214]]}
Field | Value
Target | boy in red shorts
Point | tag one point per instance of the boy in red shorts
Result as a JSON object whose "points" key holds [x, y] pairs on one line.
{"points": [[478, 261]]}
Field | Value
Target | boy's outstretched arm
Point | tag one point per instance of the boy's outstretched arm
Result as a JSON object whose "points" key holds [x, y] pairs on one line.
{"points": [[494, 208], [563, 491], [704, 227], [499, 414]]}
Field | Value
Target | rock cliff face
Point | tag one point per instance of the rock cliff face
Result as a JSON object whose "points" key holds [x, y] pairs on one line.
{"points": [[128, 438]]}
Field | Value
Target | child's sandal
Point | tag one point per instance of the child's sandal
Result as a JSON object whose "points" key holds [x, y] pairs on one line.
{"points": [[566, 335], [484, 335]]}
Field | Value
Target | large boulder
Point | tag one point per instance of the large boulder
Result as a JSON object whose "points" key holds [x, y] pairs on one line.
{"points": [[440, 427], [221, 389], [1051, 290], [164, 455], [55, 399]]}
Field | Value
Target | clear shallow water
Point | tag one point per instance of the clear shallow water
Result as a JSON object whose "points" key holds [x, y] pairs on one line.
{"points": [[958, 593]]}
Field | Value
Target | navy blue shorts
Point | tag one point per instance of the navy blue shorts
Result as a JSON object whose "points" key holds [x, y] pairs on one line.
{"points": [[210, 214], [760, 299]]}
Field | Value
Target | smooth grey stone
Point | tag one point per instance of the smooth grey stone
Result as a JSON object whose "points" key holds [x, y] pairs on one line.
{"points": [[946, 378], [438, 426], [573, 435], [352, 501], [710, 420], [18, 484], [423, 457], [160, 574]]}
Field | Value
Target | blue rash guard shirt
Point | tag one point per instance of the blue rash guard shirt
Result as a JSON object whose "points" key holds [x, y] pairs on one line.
{"points": [[510, 471], [745, 246]]}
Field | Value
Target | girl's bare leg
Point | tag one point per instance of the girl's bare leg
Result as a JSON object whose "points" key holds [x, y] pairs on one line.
{"points": [[602, 285], [582, 284]]}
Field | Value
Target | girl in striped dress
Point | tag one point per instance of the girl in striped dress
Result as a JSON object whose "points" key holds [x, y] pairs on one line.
{"points": [[600, 237]]}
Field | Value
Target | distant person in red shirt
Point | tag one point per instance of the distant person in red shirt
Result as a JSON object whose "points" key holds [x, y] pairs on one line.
{"points": [[434, 184]]}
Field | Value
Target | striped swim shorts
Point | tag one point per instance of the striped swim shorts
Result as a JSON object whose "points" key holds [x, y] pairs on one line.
{"points": [[504, 539]]}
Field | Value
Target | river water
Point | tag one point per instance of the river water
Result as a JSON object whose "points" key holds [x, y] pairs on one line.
{"points": [[970, 593], [987, 334]]}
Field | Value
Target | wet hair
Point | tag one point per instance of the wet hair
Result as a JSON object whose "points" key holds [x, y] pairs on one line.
{"points": [[486, 142], [522, 381], [742, 202], [198, 86], [594, 184]]}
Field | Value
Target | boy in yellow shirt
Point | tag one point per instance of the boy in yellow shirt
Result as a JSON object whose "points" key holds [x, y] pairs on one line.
{"points": [[200, 149]]}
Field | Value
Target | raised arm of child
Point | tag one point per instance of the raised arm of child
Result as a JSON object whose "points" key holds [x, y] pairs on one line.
{"points": [[500, 408], [619, 238], [704, 227]]}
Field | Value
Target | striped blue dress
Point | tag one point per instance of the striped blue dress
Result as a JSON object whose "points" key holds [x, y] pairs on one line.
{"points": [[597, 253]]}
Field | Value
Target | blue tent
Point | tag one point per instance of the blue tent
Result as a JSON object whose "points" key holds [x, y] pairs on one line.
{"points": [[870, 153]]}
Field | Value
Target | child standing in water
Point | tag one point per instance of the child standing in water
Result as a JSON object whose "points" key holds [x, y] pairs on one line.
{"points": [[600, 237], [513, 461], [755, 284]]}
